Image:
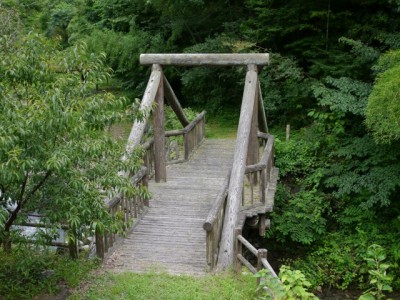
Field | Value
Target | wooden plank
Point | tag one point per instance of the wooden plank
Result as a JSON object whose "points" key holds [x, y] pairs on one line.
{"points": [[226, 257], [174, 103], [171, 232], [160, 165], [197, 59]]}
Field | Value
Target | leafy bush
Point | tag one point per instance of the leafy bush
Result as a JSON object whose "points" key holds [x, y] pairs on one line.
{"points": [[28, 272], [291, 285]]}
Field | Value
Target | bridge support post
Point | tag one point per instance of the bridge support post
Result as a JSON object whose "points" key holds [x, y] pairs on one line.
{"points": [[159, 133], [252, 152]]}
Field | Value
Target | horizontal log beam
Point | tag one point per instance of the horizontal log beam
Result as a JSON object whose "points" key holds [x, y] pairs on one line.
{"points": [[211, 59]]}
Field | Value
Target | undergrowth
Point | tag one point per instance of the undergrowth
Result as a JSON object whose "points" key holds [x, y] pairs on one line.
{"points": [[26, 273]]}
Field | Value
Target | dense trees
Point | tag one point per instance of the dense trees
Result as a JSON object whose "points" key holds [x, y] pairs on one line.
{"points": [[333, 76]]}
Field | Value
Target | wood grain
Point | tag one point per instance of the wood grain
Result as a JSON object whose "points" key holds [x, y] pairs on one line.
{"points": [[170, 237]]}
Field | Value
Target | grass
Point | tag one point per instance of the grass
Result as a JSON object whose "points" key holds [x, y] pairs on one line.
{"points": [[164, 287]]}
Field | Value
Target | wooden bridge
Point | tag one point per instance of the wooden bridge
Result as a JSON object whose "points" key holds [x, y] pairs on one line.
{"points": [[203, 191]]}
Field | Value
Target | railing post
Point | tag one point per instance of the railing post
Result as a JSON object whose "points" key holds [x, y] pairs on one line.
{"points": [[159, 132], [252, 152], [145, 183], [186, 145], [99, 244], [261, 225], [261, 253], [238, 249]]}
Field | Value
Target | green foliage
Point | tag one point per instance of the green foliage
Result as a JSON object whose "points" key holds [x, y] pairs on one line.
{"points": [[291, 285], [27, 273], [364, 173], [383, 106], [379, 280], [171, 120], [344, 95], [301, 218], [286, 89], [55, 155], [123, 50], [213, 88]]}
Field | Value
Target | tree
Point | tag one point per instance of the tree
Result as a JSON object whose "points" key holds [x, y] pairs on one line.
{"points": [[56, 158], [383, 108]]}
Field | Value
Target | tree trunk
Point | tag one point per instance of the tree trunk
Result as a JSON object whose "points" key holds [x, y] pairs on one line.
{"points": [[7, 241]]}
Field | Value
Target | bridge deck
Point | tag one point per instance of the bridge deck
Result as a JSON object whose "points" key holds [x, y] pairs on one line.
{"points": [[170, 236]]}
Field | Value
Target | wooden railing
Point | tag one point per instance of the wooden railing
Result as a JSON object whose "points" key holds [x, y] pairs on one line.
{"points": [[254, 199], [261, 254], [258, 175], [191, 137], [127, 208], [213, 225], [132, 208]]}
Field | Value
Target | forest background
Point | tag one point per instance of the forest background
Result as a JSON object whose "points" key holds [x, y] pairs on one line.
{"points": [[334, 77]]}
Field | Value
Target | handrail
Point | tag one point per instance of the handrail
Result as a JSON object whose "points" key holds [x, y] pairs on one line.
{"points": [[213, 224], [217, 205], [129, 208], [261, 173], [261, 254], [192, 135]]}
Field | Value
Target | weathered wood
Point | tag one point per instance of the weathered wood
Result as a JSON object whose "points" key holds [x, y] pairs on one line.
{"points": [[246, 263], [226, 257], [262, 118], [138, 127], [267, 266], [252, 152], [247, 244], [160, 165], [217, 205], [238, 248], [174, 103], [196, 59], [261, 225], [195, 122], [261, 254], [170, 236]]}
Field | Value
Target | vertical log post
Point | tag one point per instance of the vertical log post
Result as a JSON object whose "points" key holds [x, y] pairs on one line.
{"points": [[252, 152], [287, 132], [159, 132], [145, 182], [261, 225], [261, 253], [238, 249], [99, 244]]}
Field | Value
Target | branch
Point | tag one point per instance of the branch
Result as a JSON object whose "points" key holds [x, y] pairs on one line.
{"points": [[38, 186], [22, 201]]}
